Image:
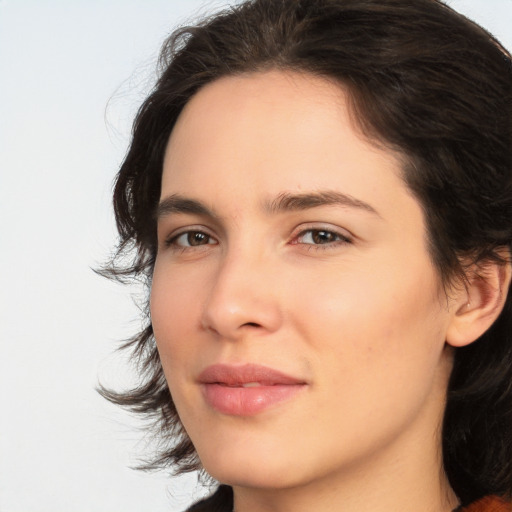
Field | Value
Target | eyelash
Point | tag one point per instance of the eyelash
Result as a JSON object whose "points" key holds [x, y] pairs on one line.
{"points": [[337, 239], [171, 242]]}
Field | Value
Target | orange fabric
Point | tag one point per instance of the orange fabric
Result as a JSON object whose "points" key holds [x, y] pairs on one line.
{"points": [[489, 504]]}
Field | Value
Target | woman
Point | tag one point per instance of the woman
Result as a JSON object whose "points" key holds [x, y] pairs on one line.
{"points": [[319, 194]]}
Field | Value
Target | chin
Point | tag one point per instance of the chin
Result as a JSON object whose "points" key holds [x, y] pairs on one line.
{"points": [[256, 477], [262, 468]]}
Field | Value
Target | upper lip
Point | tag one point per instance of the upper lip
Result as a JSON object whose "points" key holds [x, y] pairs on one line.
{"points": [[238, 375]]}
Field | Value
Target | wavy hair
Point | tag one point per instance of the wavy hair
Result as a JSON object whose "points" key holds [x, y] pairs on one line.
{"points": [[422, 80]]}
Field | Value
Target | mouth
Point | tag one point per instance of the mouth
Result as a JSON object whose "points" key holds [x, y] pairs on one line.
{"points": [[247, 390]]}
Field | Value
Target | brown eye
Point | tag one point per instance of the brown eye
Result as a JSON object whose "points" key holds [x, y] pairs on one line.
{"points": [[324, 237], [197, 238], [321, 237], [191, 239]]}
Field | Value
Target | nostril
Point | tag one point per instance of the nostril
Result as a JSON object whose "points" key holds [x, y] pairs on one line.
{"points": [[252, 324]]}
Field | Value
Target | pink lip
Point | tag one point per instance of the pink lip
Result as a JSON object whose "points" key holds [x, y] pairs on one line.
{"points": [[223, 388]]}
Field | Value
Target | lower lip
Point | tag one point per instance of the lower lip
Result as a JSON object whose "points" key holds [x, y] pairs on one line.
{"points": [[240, 401]]}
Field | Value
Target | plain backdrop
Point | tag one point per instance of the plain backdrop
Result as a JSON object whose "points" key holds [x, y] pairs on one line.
{"points": [[72, 74]]}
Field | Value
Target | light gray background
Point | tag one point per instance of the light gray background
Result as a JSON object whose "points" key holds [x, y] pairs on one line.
{"points": [[72, 74]]}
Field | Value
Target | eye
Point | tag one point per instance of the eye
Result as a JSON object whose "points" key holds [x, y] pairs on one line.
{"points": [[321, 237], [190, 239]]}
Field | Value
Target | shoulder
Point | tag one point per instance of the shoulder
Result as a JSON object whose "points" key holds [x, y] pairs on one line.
{"points": [[489, 504]]}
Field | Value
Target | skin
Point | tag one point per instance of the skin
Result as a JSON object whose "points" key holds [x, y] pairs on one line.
{"points": [[358, 313]]}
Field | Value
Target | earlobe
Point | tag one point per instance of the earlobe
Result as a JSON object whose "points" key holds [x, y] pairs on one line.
{"points": [[479, 303]]}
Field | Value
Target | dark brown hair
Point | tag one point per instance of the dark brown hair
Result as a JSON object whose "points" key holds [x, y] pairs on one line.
{"points": [[423, 81]]}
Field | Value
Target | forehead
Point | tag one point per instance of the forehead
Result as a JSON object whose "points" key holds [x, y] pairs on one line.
{"points": [[279, 97], [272, 132]]}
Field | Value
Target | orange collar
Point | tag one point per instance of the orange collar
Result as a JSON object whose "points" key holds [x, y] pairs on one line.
{"points": [[489, 504]]}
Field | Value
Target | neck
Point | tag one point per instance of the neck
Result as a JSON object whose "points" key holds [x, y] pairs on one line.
{"points": [[366, 489]]}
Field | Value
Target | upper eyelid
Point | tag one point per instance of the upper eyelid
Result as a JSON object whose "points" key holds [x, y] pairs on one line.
{"points": [[176, 231], [322, 226], [177, 220], [333, 231]]}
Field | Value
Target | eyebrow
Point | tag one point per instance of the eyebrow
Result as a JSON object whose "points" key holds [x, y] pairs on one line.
{"points": [[296, 202], [177, 203], [284, 202]]}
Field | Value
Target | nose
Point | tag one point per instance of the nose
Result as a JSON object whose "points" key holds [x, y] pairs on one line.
{"points": [[243, 298]]}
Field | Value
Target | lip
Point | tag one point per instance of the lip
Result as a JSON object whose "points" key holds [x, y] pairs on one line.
{"points": [[248, 389]]}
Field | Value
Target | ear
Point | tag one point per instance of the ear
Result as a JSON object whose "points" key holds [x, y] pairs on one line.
{"points": [[478, 304]]}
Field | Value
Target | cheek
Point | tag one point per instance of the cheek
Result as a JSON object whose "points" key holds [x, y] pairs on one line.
{"points": [[174, 316], [373, 326], [174, 313], [377, 354]]}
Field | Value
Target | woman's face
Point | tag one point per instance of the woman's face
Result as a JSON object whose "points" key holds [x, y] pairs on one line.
{"points": [[299, 320]]}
